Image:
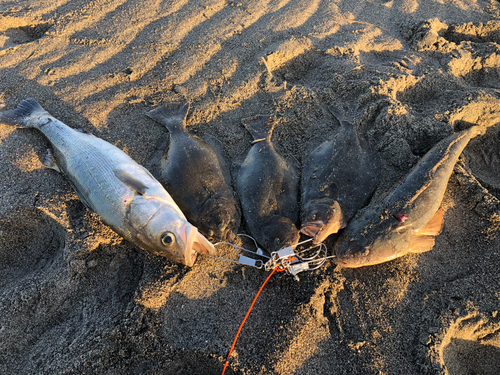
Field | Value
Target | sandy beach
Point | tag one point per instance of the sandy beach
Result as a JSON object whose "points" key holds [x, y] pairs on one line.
{"points": [[75, 298]]}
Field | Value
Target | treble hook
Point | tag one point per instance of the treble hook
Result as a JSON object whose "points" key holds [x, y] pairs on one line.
{"points": [[286, 258], [294, 262]]}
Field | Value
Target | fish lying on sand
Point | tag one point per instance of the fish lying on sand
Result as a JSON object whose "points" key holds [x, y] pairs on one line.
{"points": [[410, 218], [196, 176], [109, 182], [268, 189], [338, 179]]}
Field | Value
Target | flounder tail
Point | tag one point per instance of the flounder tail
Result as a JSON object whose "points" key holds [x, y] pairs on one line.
{"points": [[259, 127], [24, 115], [171, 115], [338, 114]]}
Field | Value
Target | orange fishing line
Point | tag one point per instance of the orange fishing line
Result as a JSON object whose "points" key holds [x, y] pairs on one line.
{"points": [[245, 318]]}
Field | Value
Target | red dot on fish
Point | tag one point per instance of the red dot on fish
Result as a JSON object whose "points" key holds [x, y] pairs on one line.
{"points": [[401, 217]]}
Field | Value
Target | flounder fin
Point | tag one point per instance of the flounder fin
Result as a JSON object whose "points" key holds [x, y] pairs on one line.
{"points": [[259, 127], [131, 181], [423, 240], [171, 115], [433, 227], [24, 112], [421, 244], [219, 153]]}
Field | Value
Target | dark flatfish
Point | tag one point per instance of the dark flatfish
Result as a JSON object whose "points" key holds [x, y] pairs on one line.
{"points": [[338, 179], [196, 176], [268, 189], [411, 217]]}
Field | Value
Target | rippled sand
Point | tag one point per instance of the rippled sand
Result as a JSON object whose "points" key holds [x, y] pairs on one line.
{"points": [[76, 298]]}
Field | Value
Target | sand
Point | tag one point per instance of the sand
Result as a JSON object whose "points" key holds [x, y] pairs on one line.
{"points": [[76, 298]]}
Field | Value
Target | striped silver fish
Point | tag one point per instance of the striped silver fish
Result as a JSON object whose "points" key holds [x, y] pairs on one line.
{"points": [[126, 196]]}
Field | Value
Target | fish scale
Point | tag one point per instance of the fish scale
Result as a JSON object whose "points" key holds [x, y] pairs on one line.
{"points": [[97, 191]]}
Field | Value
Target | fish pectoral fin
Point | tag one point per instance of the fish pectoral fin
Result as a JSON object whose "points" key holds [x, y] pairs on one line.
{"points": [[421, 244], [131, 181], [423, 240], [50, 161], [433, 227]]}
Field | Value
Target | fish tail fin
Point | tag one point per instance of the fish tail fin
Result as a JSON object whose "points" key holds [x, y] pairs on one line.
{"points": [[259, 127], [26, 111], [339, 116], [171, 115]]}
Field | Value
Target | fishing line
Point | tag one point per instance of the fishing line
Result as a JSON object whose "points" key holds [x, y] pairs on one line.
{"points": [[245, 318]]}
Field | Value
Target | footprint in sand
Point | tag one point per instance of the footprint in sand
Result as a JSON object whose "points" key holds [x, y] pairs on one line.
{"points": [[29, 241], [469, 48], [477, 172], [19, 31], [472, 346]]}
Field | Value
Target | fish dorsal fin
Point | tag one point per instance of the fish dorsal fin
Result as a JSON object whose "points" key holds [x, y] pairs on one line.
{"points": [[171, 115], [131, 181], [259, 127], [219, 154], [421, 244], [433, 227]]}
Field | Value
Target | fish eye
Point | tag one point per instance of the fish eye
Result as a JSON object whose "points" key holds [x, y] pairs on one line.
{"points": [[168, 238]]}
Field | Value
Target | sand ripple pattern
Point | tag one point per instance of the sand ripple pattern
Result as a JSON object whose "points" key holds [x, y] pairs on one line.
{"points": [[75, 298]]}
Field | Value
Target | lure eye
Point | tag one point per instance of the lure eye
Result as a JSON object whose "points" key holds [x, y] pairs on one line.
{"points": [[168, 239]]}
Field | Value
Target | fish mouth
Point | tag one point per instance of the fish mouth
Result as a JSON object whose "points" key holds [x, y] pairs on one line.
{"points": [[340, 262], [311, 228], [194, 243], [319, 230]]}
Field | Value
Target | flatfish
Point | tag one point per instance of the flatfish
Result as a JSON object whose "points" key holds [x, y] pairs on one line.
{"points": [[196, 176], [410, 218], [338, 178], [268, 189]]}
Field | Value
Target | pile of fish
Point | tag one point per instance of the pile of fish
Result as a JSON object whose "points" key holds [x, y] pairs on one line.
{"points": [[193, 198]]}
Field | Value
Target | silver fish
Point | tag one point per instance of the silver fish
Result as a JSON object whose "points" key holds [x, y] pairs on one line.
{"points": [[338, 179], [196, 176], [410, 218], [109, 182], [268, 189]]}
